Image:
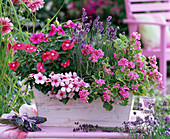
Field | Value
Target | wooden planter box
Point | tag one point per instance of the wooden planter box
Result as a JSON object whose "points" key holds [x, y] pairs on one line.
{"points": [[59, 114]]}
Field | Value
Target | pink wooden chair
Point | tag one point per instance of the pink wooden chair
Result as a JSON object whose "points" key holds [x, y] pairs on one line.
{"points": [[149, 8]]}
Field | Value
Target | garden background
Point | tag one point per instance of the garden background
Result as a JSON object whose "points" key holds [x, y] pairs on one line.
{"points": [[11, 96]]}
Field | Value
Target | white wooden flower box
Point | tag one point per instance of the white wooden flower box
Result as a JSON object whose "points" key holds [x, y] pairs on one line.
{"points": [[59, 114]]}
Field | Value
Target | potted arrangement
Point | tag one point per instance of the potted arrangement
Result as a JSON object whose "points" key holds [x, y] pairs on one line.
{"points": [[84, 72]]}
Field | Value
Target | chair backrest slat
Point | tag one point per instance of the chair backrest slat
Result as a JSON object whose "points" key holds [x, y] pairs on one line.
{"points": [[134, 7], [145, 0], [144, 7]]}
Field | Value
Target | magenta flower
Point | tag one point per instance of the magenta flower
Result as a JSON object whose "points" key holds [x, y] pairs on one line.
{"points": [[123, 62], [69, 24], [35, 38], [7, 26], [60, 30], [52, 30], [106, 96]]}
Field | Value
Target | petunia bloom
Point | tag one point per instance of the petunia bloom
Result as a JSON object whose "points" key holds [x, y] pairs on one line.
{"points": [[66, 64], [30, 48], [52, 54], [13, 65], [18, 46], [67, 45], [40, 67]]}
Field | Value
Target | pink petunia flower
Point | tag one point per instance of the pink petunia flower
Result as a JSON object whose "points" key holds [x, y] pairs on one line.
{"points": [[35, 38], [30, 48], [7, 26], [60, 30], [52, 54], [40, 78], [52, 30], [40, 67], [67, 45], [69, 24], [13, 65], [18, 46]]}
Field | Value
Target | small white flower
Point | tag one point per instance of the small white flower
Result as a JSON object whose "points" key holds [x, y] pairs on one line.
{"points": [[39, 78], [67, 86]]}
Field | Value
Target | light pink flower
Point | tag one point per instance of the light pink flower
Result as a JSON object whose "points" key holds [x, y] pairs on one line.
{"points": [[7, 26], [66, 86], [35, 5], [61, 94], [55, 81], [39, 78]]}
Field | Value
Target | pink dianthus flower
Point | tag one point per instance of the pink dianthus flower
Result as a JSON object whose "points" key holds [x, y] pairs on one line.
{"points": [[35, 5], [7, 26]]}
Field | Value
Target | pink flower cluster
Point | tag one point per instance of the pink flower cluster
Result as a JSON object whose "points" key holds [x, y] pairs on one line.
{"points": [[132, 75], [94, 53], [100, 82], [106, 95], [108, 71], [124, 91], [38, 38], [83, 95], [136, 36], [125, 64], [155, 74], [68, 83], [32, 4]]}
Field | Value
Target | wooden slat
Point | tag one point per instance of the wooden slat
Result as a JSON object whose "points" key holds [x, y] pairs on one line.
{"points": [[165, 14], [143, 7], [145, 0]]}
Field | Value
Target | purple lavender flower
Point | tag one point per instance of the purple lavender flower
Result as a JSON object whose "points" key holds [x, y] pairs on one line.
{"points": [[109, 18], [165, 103], [167, 133]]}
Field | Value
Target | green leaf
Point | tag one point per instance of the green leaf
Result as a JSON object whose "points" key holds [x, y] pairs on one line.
{"points": [[90, 100], [151, 92], [146, 83], [114, 92], [107, 106]]}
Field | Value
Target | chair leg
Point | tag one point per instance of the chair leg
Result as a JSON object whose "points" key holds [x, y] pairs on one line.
{"points": [[163, 70]]}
